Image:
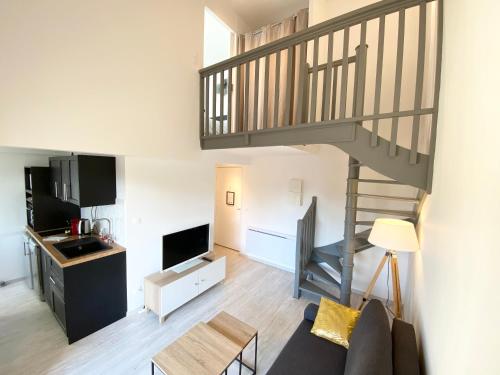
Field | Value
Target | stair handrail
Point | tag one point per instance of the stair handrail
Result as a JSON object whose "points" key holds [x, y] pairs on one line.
{"points": [[306, 228], [352, 18]]}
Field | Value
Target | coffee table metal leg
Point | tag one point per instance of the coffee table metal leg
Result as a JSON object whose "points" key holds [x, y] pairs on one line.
{"points": [[255, 363], [241, 360], [152, 368]]}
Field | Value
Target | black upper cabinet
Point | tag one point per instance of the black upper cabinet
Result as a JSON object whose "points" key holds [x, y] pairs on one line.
{"points": [[84, 180]]}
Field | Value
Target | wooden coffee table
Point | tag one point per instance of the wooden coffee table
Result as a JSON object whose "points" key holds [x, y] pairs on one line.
{"points": [[208, 348]]}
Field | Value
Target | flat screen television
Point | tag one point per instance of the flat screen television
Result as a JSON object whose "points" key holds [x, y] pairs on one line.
{"points": [[180, 247]]}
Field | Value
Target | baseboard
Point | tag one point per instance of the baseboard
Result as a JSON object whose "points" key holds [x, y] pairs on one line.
{"points": [[267, 262], [12, 281]]}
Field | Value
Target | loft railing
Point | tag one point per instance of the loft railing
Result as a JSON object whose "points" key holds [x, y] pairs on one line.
{"points": [[259, 97], [304, 243]]}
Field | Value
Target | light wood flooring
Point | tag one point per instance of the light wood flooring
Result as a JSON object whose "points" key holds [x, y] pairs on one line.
{"points": [[31, 341]]}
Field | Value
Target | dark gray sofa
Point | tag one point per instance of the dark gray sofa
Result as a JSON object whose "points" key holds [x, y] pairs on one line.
{"points": [[373, 348]]}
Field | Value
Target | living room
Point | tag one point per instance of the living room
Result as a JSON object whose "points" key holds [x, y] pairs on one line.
{"points": [[122, 80]]}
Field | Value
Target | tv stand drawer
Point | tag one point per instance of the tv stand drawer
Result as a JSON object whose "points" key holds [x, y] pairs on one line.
{"points": [[211, 274], [179, 292]]}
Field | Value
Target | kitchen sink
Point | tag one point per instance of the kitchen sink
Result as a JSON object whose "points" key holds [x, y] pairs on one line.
{"points": [[82, 246]]}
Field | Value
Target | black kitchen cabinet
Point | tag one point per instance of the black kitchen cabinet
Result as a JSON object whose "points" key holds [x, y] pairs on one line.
{"points": [[43, 211], [84, 180], [88, 296]]}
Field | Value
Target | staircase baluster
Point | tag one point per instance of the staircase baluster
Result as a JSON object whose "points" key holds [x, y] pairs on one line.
{"points": [[345, 73], [214, 104], [207, 105], [289, 81], [238, 100], [266, 93], [419, 81], [300, 91], [378, 79], [256, 96], [334, 91], [314, 88], [246, 97], [229, 100], [277, 90], [221, 102], [327, 79], [397, 84]]}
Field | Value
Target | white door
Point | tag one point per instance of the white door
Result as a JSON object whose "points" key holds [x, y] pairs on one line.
{"points": [[228, 207]]}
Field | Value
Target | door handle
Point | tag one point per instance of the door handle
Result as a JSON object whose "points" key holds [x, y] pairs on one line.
{"points": [[65, 194], [55, 185]]}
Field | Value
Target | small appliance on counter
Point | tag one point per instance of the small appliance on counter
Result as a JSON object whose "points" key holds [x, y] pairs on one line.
{"points": [[84, 227]]}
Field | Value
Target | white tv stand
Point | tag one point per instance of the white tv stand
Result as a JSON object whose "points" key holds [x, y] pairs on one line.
{"points": [[166, 291], [185, 266]]}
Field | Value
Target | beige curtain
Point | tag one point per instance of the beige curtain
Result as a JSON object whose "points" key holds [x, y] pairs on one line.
{"points": [[258, 38]]}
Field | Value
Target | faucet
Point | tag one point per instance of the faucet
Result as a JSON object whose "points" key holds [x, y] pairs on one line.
{"points": [[109, 236]]}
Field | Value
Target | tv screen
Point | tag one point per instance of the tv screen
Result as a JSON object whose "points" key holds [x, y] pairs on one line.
{"points": [[184, 245]]}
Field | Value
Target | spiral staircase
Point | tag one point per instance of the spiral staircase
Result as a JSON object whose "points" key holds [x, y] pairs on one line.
{"points": [[294, 91]]}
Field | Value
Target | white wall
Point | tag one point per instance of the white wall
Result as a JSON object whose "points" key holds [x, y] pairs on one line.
{"points": [[13, 209], [455, 303], [114, 77], [118, 78], [161, 197]]}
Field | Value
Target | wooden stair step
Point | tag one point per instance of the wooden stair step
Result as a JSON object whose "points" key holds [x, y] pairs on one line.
{"points": [[332, 260], [387, 197], [368, 223], [318, 272], [317, 292], [360, 243], [410, 214], [374, 181]]}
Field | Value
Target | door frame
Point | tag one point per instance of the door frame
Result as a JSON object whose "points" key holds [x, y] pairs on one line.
{"points": [[242, 193]]}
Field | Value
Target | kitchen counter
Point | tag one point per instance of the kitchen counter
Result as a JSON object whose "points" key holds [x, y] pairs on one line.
{"points": [[61, 260]]}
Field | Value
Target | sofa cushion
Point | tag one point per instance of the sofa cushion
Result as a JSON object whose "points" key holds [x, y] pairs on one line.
{"points": [[308, 354], [404, 349], [370, 350], [310, 312]]}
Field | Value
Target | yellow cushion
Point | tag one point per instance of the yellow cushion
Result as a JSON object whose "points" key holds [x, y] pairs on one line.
{"points": [[335, 322]]}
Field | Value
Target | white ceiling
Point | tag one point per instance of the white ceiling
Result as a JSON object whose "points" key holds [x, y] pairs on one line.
{"points": [[257, 13]]}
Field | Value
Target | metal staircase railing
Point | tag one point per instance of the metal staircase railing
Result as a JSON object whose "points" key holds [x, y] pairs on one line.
{"points": [[280, 93], [312, 278]]}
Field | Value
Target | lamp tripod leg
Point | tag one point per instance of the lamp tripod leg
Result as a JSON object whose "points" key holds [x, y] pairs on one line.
{"points": [[374, 279], [396, 286]]}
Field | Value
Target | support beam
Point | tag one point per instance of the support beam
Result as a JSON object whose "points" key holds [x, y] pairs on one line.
{"points": [[349, 232]]}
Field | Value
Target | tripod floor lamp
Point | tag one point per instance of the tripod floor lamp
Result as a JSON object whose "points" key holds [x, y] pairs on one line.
{"points": [[394, 235]]}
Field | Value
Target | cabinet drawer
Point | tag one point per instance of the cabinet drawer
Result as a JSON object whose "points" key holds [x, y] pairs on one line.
{"points": [[56, 272], [178, 293], [58, 306], [212, 274]]}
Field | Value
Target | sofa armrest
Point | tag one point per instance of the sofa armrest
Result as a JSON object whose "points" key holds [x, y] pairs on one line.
{"points": [[404, 349], [310, 312]]}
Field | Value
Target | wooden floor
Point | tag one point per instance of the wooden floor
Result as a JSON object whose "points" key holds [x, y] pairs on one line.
{"points": [[31, 341]]}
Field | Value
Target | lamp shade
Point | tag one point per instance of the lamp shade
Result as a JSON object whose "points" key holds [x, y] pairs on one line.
{"points": [[394, 234]]}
